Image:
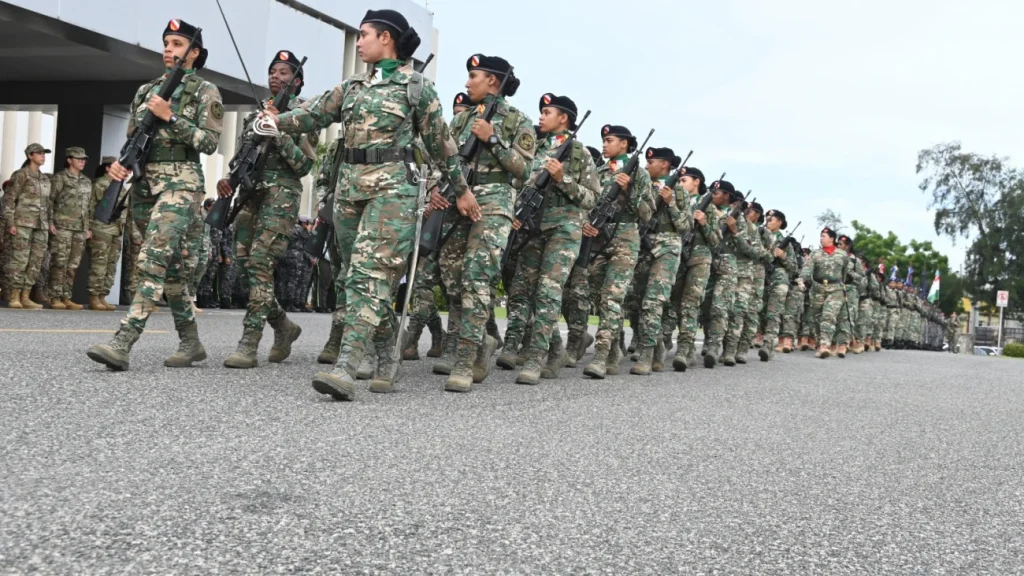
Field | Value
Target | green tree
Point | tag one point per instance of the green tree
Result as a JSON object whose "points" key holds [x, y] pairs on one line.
{"points": [[979, 199], [830, 218]]}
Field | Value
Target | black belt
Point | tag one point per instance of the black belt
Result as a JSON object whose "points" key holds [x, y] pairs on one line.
{"points": [[496, 177], [176, 153], [374, 155], [827, 281]]}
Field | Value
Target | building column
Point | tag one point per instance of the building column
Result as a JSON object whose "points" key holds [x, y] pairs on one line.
{"points": [[9, 159], [35, 127], [349, 55]]}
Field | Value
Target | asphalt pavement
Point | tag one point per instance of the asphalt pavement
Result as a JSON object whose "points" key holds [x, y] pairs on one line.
{"points": [[896, 462]]}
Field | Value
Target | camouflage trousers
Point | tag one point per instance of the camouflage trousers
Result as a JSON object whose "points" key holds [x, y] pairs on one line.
{"points": [[848, 318], [811, 316], [140, 214], [892, 320], [423, 308], [880, 314], [635, 296], [160, 267], [470, 263], [517, 293], [656, 286], [774, 310], [66, 247], [755, 307], [865, 319], [192, 255], [576, 302], [827, 304], [793, 312], [262, 231], [25, 256], [610, 274], [104, 252], [544, 266], [691, 296], [718, 304], [739, 314], [374, 239]]}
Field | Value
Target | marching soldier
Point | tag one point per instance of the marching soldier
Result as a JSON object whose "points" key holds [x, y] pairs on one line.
{"points": [[744, 315], [952, 332], [783, 267], [28, 213], [172, 189], [105, 244], [827, 268], [611, 270], [383, 111], [722, 291]]}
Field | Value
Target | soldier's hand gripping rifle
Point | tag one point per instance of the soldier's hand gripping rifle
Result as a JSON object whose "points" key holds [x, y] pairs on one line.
{"points": [[786, 242], [702, 206], [136, 149], [651, 226], [606, 209], [430, 239], [246, 167], [318, 241], [530, 203]]}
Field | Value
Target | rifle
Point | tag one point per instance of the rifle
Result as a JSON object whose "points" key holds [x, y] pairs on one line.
{"points": [[702, 207], [317, 243], [651, 226], [770, 267], [530, 203], [246, 167], [430, 236], [136, 149], [606, 210]]}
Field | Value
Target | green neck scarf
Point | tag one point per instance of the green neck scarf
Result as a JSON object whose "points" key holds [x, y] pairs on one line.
{"points": [[387, 67]]}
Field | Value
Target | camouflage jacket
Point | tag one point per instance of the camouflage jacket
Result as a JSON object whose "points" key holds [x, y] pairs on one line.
{"points": [[99, 187], [289, 159], [28, 200], [570, 199], [676, 218], [708, 236], [731, 243], [377, 113], [324, 182], [636, 206], [784, 269], [508, 161], [198, 106], [750, 251], [856, 282], [827, 272], [71, 198], [874, 287]]}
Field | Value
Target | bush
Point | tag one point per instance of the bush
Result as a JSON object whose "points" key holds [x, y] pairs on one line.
{"points": [[1014, 350]]}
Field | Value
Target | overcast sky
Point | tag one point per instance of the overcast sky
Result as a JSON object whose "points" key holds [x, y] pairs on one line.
{"points": [[810, 104]]}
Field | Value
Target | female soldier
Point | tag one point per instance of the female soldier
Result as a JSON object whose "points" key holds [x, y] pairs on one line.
{"points": [[105, 244], [827, 268], [169, 196], [27, 212], [71, 198]]}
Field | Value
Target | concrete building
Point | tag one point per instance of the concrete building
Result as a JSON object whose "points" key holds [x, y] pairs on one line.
{"points": [[74, 65]]}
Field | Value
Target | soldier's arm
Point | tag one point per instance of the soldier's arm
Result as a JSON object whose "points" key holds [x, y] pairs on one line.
{"points": [[138, 109], [790, 262], [679, 211], [323, 183], [315, 114], [437, 137], [204, 133], [640, 198], [807, 274], [11, 198], [584, 187], [298, 155], [516, 156], [712, 230], [56, 196]]}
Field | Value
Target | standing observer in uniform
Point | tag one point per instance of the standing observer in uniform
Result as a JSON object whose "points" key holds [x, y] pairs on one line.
{"points": [[71, 196], [28, 212], [173, 187], [105, 244], [382, 112], [264, 225]]}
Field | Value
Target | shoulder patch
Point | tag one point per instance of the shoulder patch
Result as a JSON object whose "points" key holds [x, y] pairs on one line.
{"points": [[217, 110], [526, 141]]}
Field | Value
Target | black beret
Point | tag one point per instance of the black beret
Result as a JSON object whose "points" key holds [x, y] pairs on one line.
{"points": [[286, 57], [845, 238], [726, 186], [661, 154], [778, 214], [737, 196], [181, 28], [619, 132], [563, 103], [757, 207], [493, 64], [462, 99], [596, 155], [829, 231], [390, 18], [693, 173]]}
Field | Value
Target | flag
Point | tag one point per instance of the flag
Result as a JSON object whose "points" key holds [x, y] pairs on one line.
{"points": [[933, 294], [894, 273], [910, 276]]}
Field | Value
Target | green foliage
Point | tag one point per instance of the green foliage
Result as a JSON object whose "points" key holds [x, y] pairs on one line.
{"points": [[442, 304], [1014, 350], [980, 199]]}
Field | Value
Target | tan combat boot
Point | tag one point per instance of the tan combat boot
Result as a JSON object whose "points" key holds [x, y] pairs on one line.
{"points": [[95, 304], [823, 352], [804, 344], [71, 305], [14, 300], [27, 302], [787, 345], [57, 304], [841, 351]]}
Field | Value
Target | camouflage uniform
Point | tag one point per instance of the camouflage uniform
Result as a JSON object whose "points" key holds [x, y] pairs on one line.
{"points": [[228, 269], [952, 333], [852, 286], [548, 256], [208, 284], [263, 226], [104, 246], [723, 290], [166, 203], [375, 201], [697, 273], [778, 291], [196, 240], [28, 207], [866, 312], [743, 317], [794, 312], [471, 258], [659, 275], [292, 267], [71, 197], [611, 270], [828, 296]]}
